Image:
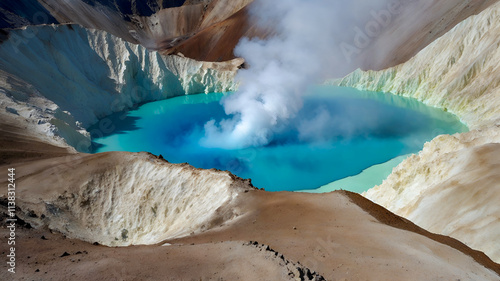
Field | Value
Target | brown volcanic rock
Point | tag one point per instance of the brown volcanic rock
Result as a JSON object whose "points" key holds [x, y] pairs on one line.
{"points": [[452, 186], [418, 25], [44, 259], [169, 27], [217, 42], [162, 30], [343, 235], [16, 146], [339, 235], [209, 30]]}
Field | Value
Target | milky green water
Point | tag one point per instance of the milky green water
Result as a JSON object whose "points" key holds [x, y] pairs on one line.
{"points": [[338, 133]]}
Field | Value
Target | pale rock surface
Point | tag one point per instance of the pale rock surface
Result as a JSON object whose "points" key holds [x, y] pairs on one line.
{"points": [[124, 199], [120, 199], [65, 78], [451, 186]]}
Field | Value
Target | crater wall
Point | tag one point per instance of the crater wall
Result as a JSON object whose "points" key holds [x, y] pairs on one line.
{"points": [[451, 186], [65, 78]]}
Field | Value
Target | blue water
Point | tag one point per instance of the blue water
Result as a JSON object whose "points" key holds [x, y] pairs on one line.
{"points": [[338, 133]]}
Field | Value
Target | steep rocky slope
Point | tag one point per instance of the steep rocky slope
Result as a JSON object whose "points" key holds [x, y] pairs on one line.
{"points": [[59, 80], [16, 14], [127, 199], [338, 235], [153, 26], [122, 199], [377, 36], [416, 24], [452, 186]]}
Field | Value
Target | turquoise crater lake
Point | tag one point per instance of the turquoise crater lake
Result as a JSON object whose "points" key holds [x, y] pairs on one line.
{"points": [[339, 132]]}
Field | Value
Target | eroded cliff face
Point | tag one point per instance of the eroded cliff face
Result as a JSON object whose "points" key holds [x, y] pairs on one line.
{"points": [[56, 81], [452, 185], [59, 80], [120, 199]]}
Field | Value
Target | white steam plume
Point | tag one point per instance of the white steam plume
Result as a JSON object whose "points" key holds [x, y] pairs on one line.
{"points": [[305, 51]]}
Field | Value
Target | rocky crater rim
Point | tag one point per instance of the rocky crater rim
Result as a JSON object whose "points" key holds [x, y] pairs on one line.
{"points": [[128, 199], [85, 208], [463, 78], [103, 73]]}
